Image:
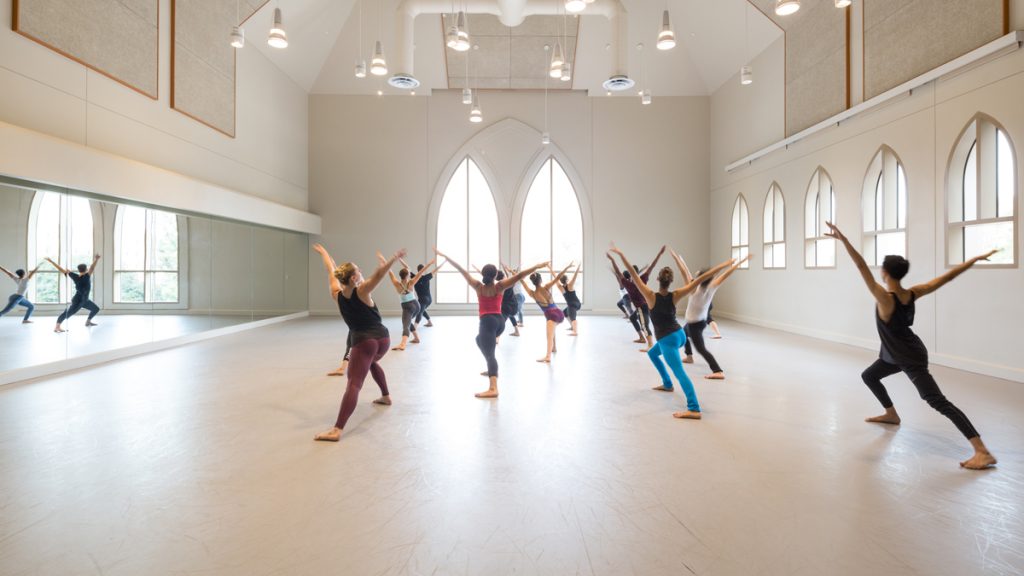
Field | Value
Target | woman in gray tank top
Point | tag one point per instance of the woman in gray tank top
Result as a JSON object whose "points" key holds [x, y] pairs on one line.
{"points": [[18, 298]]}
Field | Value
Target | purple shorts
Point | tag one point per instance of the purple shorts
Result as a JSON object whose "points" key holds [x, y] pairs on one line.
{"points": [[553, 314]]}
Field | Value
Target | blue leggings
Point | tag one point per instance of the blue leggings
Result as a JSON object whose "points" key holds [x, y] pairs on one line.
{"points": [[669, 347]]}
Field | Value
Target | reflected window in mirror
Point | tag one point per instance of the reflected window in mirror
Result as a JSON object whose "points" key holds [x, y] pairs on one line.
{"points": [[145, 256], [60, 228]]}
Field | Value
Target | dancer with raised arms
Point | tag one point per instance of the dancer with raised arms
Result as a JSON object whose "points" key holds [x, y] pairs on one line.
{"points": [[18, 298], [697, 314], [490, 292], [406, 288], [541, 294], [902, 350], [572, 302], [370, 338], [83, 285]]}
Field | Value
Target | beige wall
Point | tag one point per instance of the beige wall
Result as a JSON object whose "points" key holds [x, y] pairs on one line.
{"points": [[377, 165], [48, 93]]}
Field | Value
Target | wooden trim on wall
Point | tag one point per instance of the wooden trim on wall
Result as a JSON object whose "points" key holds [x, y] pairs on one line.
{"points": [[234, 80], [15, 27], [1006, 17]]}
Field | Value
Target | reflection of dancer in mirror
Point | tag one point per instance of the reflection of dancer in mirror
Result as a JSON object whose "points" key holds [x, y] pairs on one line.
{"points": [[370, 338], [423, 295], [405, 286], [18, 298], [489, 293], [541, 294], [572, 302], [83, 285], [697, 314], [670, 335], [902, 350]]}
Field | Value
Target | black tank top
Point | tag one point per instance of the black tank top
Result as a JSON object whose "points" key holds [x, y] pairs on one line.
{"points": [[663, 316], [364, 322], [509, 304], [572, 299], [900, 346]]}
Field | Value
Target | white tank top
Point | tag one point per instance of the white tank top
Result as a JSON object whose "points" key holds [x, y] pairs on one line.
{"points": [[700, 301]]}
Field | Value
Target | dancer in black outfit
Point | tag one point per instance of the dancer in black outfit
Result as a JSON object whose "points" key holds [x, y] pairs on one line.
{"points": [[572, 302], [509, 305], [423, 294], [902, 350], [83, 285]]}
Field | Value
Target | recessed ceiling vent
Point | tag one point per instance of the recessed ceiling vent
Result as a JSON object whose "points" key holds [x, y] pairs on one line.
{"points": [[618, 83], [404, 81]]}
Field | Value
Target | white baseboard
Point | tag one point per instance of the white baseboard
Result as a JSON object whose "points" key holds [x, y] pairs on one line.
{"points": [[50, 368]]}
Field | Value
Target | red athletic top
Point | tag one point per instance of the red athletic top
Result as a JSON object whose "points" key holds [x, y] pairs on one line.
{"points": [[490, 304]]}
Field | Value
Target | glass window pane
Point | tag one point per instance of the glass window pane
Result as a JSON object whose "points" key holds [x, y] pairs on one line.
{"points": [[128, 287], [981, 238], [164, 287], [536, 226], [736, 223], [483, 221], [48, 228], [779, 256], [567, 234], [744, 223], [826, 252], [451, 288], [164, 242], [811, 213], [80, 219], [1006, 177], [969, 201], [892, 243], [779, 228], [879, 205], [131, 242], [901, 197], [452, 231], [46, 286], [769, 218]]}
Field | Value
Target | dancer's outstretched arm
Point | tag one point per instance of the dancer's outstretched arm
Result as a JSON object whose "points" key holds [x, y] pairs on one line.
{"points": [[420, 274], [8, 272], [394, 279], [551, 271], [940, 281], [57, 266], [572, 281], [644, 289], [678, 293], [511, 279], [33, 272], [333, 283], [554, 279], [473, 282], [683, 269], [371, 283], [654, 262], [728, 272], [92, 268], [877, 290], [615, 270]]}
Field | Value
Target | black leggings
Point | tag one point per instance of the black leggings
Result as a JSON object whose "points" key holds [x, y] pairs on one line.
{"points": [[77, 303], [570, 311], [635, 320], [926, 387], [695, 332], [425, 302], [622, 305], [491, 326], [510, 316]]}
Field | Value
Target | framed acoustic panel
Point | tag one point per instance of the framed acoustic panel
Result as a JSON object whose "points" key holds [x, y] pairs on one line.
{"points": [[117, 38], [906, 38]]}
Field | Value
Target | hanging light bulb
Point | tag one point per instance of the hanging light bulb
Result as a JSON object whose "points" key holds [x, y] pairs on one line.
{"points": [[277, 37], [843, 3], [545, 138], [566, 70], [786, 7], [645, 97], [557, 59], [746, 75], [462, 35], [237, 37], [451, 38], [475, 116], [467, 96], [361, 69], [666, 38], [575, 5], [378, 65]]}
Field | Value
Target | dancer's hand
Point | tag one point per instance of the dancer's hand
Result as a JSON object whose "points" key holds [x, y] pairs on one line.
{"points": [[400, 253], [834, 232], [319, 248], [986, 256], [381, 260]]}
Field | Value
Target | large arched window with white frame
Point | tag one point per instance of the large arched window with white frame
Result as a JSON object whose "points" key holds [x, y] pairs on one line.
{"points": [[774, 231], [145, 256], [982, 195], [552, 223], [61, 228], [467, 230], [819, 207], [884, 207], [740, 231]]}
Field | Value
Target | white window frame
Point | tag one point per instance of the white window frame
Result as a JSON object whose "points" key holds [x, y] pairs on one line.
{"points": [[64, 289], [819, 207], [739, 227], [146, 271], [776, 236], [885, 175]]}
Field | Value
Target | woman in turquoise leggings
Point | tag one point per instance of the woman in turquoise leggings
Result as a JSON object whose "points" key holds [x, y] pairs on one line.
{"points": [[667, 331]]}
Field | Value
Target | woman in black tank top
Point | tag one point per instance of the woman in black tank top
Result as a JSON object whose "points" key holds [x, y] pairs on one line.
{"points": [[902, 350], [567, 287], [369, 338]]}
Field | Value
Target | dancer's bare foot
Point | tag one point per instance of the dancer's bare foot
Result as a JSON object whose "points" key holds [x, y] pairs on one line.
{"points": [[429, 324], [26, 321], [890, 417], [492, 393], [715, 376], [91, 324], [979, 461], [383, 401], [545, 359], [338, 372], [332, 435], [415, 340], [58, 330], [398, 348], [573, 334], [516, 333], [716, 337], [687, 415], [639, 341], [484, 373], [688, 360], [662, 388]]}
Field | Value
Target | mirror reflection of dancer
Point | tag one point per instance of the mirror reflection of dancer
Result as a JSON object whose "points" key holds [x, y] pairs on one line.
{"points": [[405, 286], [670, 335], [83, 285], [370, 338], [423, 295], [902, 350], [572, 302], [541, 294], [489, 293], [697, 315], [18, 298]]}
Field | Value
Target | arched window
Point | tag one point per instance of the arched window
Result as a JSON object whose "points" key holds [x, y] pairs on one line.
{"points": [[62, 229], [145, 255], [819, 207], [774, 228], [740, 231], [982, 195], [467, 230], [552, 226], [884, 205]]}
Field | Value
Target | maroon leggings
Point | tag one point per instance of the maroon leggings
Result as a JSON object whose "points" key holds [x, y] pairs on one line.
{"points": [[364, 358]]}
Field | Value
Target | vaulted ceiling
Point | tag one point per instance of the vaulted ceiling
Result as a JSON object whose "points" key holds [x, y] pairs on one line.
{"points": [[715, 38]]}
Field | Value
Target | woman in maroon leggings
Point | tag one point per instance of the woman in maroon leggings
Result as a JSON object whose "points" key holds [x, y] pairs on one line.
{"points": [[370, 338]]}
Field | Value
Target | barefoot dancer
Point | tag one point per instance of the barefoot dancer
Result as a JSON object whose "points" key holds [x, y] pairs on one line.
{"points": [[18, 298], [509, 306], [541, 294], [628, 281], [669, 333], [370, 338], [423, 295], [83, 285], [489, 294], [697, 315], [572, 302], [405, 287], [902, 350]]}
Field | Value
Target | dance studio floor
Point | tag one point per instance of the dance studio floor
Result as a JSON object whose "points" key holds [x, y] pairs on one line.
{"points": [[200, 460]]}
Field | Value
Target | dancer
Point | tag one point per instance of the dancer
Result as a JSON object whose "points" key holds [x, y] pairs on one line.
{"points": [[697, 314], [902, 350], [520, 300], [669, 333], [407, 294], [370, 338], [423, 295], [628, 280], [489, 293], [83, 285], [716, 333], [18, 298], [541, 294], [509, 305], [633, 302], [572, 301]]}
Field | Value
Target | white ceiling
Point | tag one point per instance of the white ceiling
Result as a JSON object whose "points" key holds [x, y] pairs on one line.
{"points": [[712, 45]]}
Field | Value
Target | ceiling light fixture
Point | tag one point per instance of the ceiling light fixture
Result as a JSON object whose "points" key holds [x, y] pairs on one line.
{"points": [[786, 7], [360, 61], [378, 65], [545, 137], [557, 59], [237, 33], [475, 115], [746, 75], [462, 43], [746, 71], [666, 37], [645, 97], [843, 3], [277, 37], [575, 6], [565, 72]]}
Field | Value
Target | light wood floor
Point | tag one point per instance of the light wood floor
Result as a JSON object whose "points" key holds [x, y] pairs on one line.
{"points": [[200, 460]]}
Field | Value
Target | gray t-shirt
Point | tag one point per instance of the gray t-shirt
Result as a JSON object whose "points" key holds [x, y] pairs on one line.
{"points": [[22, 285]]}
